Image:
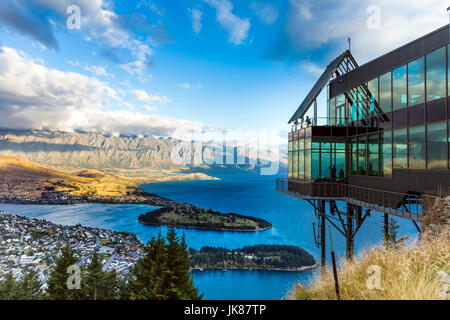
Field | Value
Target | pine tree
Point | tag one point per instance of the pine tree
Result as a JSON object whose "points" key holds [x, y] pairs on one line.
{"points": [[98, 284], [57, 281], [390, 238], [9, 288], [30, 286], [163, 273], [149, 272], [179, 283]]}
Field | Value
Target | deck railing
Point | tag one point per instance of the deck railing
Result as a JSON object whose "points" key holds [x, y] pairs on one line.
{"points": [[400, 204]]}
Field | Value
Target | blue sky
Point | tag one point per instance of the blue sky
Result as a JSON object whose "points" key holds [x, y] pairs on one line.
{"points": [[160, 67]]}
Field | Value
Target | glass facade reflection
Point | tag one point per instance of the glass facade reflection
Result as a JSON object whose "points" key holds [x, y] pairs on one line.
{"points": [[436, 74], [399, 88], [416, 82], [415, 137]]}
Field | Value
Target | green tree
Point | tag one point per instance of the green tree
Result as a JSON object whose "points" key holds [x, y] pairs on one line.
{"points": [[149, 272], [391, 239], [163, 273], [179, 283], [96, 283], [57, 281], [9, 288], [27, 288], [30, 286]]}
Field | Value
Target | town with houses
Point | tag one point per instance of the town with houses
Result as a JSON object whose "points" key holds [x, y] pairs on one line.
{"points": [[32, 244]]}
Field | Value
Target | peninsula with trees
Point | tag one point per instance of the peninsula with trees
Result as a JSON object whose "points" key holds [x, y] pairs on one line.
{"points": [[188, 216]]}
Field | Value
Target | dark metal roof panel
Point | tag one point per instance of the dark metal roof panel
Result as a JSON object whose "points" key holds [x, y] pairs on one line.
{"points": [[320, 84]]}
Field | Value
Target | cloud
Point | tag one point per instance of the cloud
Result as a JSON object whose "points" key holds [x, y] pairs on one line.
{"points": [[236, 27], [185, 85], [99, 23], [33, 96], [318, 28], [99, 71], [311, 68], [266, 12], [38, 26], [149, 108], [196, 17], [143, 96]]}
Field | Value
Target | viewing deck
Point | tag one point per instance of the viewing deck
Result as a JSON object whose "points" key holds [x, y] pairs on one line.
{"points": [[402, 205]]}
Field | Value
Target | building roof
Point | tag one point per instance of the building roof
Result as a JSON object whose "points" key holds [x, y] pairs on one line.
{"points": [[331, 69]]}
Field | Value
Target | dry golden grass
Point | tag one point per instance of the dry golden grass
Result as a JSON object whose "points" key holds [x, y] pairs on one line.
{"points": [[410, 272], [19, 177], [22, 178]]}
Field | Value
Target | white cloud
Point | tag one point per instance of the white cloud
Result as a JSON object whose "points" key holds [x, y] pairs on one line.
{"points": [[150, 108], [311, 68], [236, 26], [143, 96], [33, 96], [196, 17], [185, 85], [99, 71], [313, 24], [99, 23], [266, 12]]}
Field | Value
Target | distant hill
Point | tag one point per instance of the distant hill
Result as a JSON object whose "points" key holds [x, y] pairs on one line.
{"points": [[128, 156], [23, 178]]}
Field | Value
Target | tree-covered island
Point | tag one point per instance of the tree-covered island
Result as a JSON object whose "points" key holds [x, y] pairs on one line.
{"points": [[193, 217], [262, 257]]}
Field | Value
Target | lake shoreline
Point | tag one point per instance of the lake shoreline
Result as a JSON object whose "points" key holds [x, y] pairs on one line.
{"points": [[197, 269]]}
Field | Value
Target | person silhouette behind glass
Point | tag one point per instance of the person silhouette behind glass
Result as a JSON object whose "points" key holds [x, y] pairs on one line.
{"points": [[341, 175]]}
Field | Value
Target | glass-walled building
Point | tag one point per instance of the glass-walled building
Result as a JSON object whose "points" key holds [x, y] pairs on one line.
{"points": [[395, 113]]}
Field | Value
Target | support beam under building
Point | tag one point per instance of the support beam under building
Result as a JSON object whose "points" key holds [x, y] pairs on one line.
{"points": [[386, 227], [349, 234], [322, 217]]}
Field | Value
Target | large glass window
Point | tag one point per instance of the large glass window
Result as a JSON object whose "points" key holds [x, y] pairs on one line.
{"points": [[353, 106], [362, 155], [436, 74], [290, 167], [386, 153], [373, 160], [332, 112], [340, 110], [385, 93], [308, 159], [338, 159], [400, 149], [301, 165], [354, 155], [399, 88], [295, 169], [416, 81], [437, 146], [374, 107], [417, 147]]}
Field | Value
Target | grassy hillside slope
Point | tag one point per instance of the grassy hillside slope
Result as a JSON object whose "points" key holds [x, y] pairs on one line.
{"points": [[23, 178], [417, 271]]}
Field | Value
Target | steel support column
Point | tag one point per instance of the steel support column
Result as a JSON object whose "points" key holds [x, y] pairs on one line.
{"points": [[386, 227], [322, 217], [349, 235]]}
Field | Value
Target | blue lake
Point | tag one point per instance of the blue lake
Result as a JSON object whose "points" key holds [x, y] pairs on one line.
{"points": [[243, 193]]}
